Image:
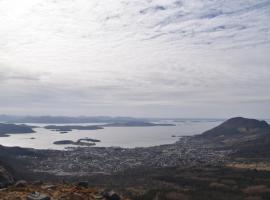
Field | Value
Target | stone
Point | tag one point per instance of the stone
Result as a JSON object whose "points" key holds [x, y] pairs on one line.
{"points": [[111, 195], [37, 196], [49, 187], [98, 197], [21, 183]]}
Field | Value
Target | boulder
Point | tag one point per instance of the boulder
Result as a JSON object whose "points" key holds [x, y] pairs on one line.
{"points": [[111, 195], [49, 187], [37, 196], [21, 183]]}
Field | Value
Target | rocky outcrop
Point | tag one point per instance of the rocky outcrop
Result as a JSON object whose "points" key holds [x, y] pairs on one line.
{"points": [[38, 196]]}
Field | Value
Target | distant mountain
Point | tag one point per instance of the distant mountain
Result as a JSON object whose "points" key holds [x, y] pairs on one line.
{"points": [[65, 119], [135, 124], [6, 129], [72, 127]]}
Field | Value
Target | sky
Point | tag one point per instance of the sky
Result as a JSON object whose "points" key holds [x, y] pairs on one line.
{"points": [[141, 58]]}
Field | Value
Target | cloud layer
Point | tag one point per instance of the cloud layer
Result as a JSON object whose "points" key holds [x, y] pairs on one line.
{"points": [[142, 57]]}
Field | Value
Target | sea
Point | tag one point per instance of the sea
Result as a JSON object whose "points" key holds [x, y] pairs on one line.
{"points": [[125, 137]]}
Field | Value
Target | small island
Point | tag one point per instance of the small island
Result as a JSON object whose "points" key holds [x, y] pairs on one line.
{"points": [[88, 140], [79, 142]]}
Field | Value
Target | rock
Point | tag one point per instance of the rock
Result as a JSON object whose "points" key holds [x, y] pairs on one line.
{"points": [[83, 184], [21, 183], [38, 196], [49, 187], [3, 189], [111, 195], [98, 197]]}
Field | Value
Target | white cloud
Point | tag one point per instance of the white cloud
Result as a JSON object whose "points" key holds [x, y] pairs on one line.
{"points": [[95, 57]]}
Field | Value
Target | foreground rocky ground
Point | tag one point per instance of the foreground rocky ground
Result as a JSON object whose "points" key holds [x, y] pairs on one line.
{"points": [[38, 191], [208, 183], [166, 183]]}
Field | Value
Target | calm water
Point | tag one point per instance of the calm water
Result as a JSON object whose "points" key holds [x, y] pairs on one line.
{"points": [[128, 137]]}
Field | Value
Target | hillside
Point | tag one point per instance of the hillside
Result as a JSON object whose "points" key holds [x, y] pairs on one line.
{"points": [[247, 138], [237, 130]]}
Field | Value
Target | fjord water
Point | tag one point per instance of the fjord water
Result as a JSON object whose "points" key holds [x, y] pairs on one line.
{"points": [[127, 137]]}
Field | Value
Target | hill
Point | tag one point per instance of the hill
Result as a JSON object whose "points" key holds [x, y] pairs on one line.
{"points": [[237, 130], [247, 138]]}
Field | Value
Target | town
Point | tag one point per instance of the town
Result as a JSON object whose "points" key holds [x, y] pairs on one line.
{"points": [[82, 161]]}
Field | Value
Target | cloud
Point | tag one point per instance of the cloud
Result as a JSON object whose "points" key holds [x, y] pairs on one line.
{"points": [[95, 57]]}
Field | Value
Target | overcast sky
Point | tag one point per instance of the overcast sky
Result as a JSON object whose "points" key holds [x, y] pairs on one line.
{"points": [[159, 58]]}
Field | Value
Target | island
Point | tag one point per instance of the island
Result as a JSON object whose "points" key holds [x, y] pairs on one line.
{"points": [[79, 142], [6, 129], [65, 129], [89, 140]]}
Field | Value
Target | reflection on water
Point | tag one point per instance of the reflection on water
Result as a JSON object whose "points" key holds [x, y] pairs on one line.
{"points": [[128, 137]]}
